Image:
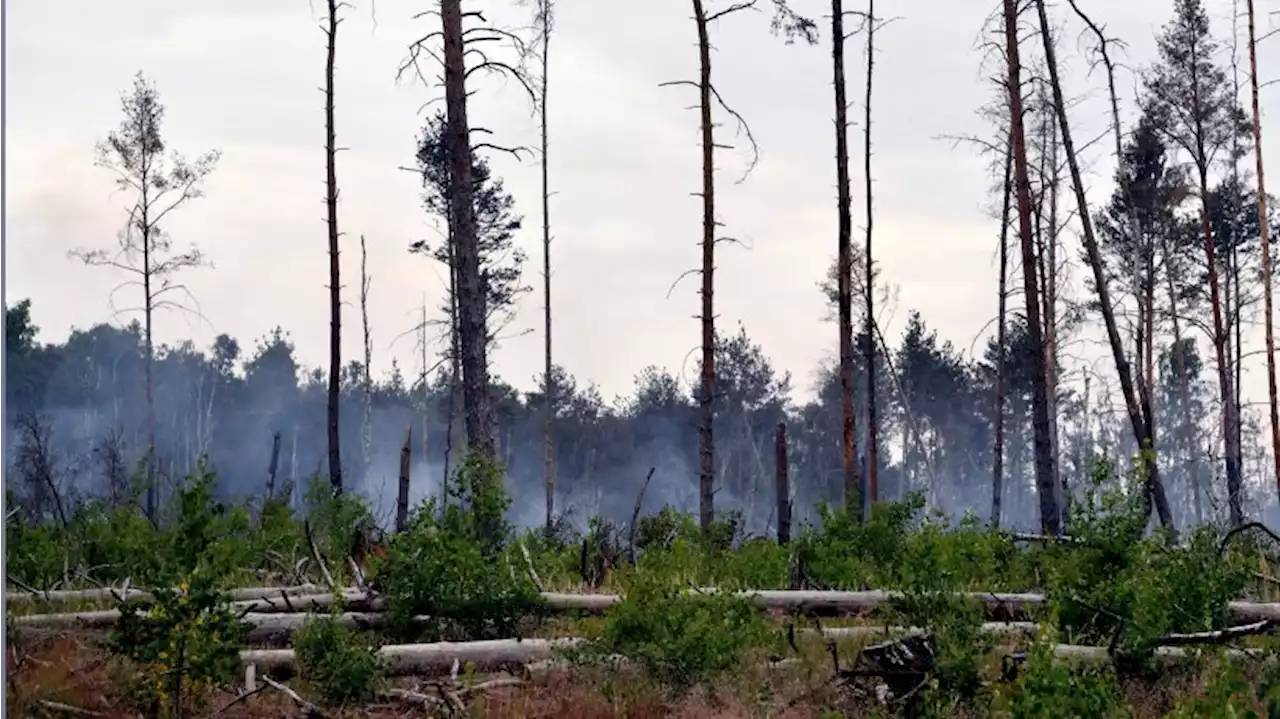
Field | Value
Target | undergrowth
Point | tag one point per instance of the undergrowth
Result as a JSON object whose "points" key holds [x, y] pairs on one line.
{"points": [[461, 572]]}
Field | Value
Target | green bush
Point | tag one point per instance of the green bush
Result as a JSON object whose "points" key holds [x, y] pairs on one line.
{"points": [[680, 638], [1112, 586], [1046, 689], [185, 636], [336, 663], [454, 565]]}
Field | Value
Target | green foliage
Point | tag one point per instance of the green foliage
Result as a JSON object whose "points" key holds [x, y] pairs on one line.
{"points": [[186, 637], [341, 525], [1112, 585], [454, 565], [1229, 695], [337, 664], [1046, 689], [680, 638]]}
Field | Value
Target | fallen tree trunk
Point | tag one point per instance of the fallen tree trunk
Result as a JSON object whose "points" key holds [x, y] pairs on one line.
{"points": [[109, 594], [999, 606], [436, 658]]}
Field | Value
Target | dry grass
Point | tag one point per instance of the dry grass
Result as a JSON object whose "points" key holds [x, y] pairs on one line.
{"points": [[55, 674]]}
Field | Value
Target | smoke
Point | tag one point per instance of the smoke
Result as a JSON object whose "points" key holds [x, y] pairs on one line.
{"points": [[76, 416]]}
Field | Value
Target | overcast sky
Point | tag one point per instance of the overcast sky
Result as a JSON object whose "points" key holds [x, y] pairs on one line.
{"points": [[243, 76]]}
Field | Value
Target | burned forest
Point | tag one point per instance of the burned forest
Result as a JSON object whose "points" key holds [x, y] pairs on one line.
{"points": [[1009, 446]]}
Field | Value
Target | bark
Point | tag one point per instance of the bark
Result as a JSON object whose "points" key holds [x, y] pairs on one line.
{"points": [[472, 333], [1139, 410], [402, 493], [782, 482], [335, 288], [707, 389], [1044, 459], [1265, 235], [997, 473], [872, 493], [844, 261], [548, 429]]}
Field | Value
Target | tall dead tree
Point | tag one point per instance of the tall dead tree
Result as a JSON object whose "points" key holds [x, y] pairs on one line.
{"points": [[844, 263], [335, 268], [1264, 231], [545, 18], [1044, 459], [871, 491], [366, 378], [135, 153], [1139, 410], [792, 25], [707, 388], [472, 330], [997, 454]]}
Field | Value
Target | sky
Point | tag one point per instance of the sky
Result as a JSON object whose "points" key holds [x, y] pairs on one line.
{"points": [[244, 77]]}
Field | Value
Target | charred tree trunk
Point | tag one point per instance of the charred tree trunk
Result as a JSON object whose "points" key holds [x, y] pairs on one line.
{"points": [[366, 429], [1139, 410], [707, 389], [402, 489], [548, 429], [472, 332], [1044, 459], [872, 488], [273, 466], [844, 260], [1265, 235], [782, 482], [335, 288], [997, 473], [153, 490]]}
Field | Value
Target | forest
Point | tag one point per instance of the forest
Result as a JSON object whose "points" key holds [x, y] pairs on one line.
{"points": [[954, 494]]}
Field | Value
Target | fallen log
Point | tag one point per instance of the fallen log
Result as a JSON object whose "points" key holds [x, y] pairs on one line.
{"points": [[428, 659], [105, 594]]}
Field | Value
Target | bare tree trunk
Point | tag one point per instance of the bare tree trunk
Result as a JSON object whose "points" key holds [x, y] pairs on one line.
{"points": [[152, 479], [871, 484], [1220, 338], [1139, 413], [1049, 261], [335, 299], [1265, 234], [782, 483], [472, 333], [997, 473], [706, 393], [1044, 459], [548, 430], [844, 261], [402, 489], [273, 466], [366, 430]]}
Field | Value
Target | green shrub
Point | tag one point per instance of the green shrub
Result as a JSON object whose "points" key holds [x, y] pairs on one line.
{"points": [[1112, 586], [1046, 689], [336, 663], [455, 566], [680, 638], [186, 636]]}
